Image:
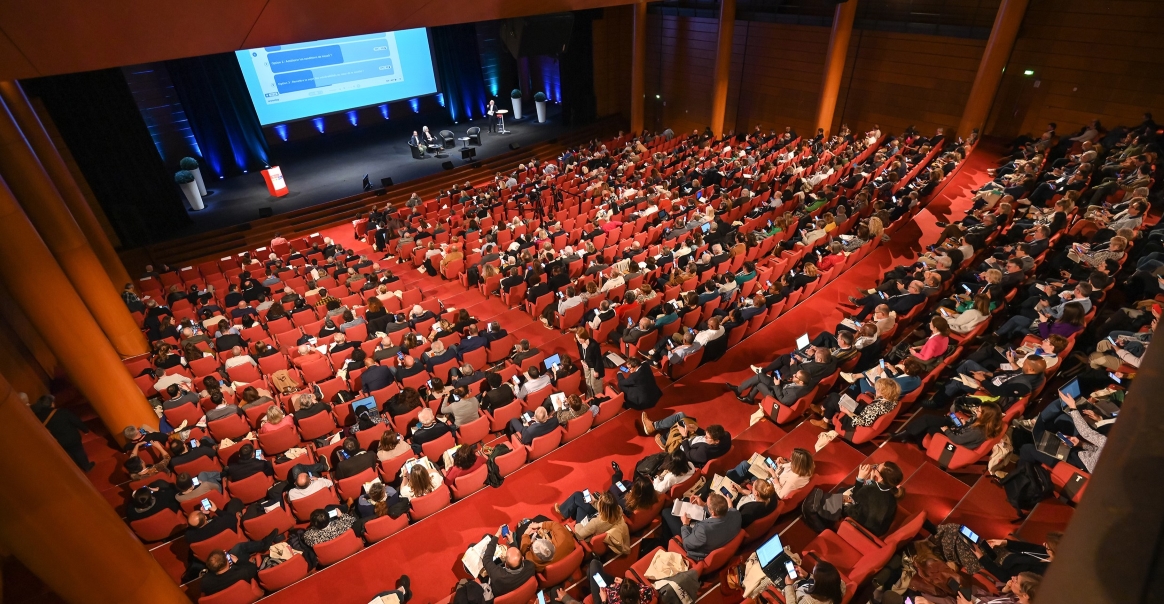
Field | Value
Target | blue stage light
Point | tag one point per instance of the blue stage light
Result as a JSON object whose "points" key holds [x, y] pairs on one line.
{"points": [[415, 104], [384, 110], [281, 130], [352, 117], [318, 124]]}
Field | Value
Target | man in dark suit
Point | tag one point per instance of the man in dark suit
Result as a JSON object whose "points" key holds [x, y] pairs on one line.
{"points": [[472, 341], [638, 385], [428, 430], [352, 460], [376, 376], [717, 530], [507, 577], [1008, 385], [246, 465], [494, 332], [408, 367], [901, 304], [499, 395], [786, 392], [541, 425], [590, 352], [438, 354]]}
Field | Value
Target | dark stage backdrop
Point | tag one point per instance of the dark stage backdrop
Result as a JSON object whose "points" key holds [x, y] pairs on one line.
{"points": [[576, 72], [102, 127], [215, 98], [458, 65]]}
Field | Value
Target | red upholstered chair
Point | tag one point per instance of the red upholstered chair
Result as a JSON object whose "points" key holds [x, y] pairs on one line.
{"points": [[191, 413], [474, 431], [334, 550], [278, 519], [218, 498], [290, 571], [250, 489], [509, 463], [433, 449], [714, 560], [500, 418], [239, 593], [467, 484], [610, 408], [577, 427], [233, 427], [521, 595], [542, 445], [383, 527], [199, 464], [303, 507], [640, 519], [277, 441], [159, 526], [427, 505], [223, 541], [316, 426], [560, 571], [782, 414], [353, 486]]}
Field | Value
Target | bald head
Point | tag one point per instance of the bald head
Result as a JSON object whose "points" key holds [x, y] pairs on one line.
{"points": [[196, 519], [513, 558]]}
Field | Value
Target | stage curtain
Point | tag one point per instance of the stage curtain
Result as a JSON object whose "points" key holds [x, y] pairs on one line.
{"points": [[100, 123], [459, 69], [222, 118]]}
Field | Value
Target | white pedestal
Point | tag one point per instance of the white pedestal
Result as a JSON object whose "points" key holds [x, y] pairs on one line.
{"points": [[541, 107], [193, 197], [198, 179], [516, 108]]}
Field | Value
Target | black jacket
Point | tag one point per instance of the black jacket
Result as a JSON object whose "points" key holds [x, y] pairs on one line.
{"points": [[640, 388], [874, 506], [503, 579]]}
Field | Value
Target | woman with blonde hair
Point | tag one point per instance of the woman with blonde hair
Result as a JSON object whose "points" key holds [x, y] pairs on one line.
{"points": [[887, 393], [274, 420], [876, 228], [967, 320], [607, 518]]}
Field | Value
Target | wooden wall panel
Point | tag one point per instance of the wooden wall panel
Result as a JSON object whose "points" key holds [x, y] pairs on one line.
{"points": [[680, 69], [897, 79], [1090, 60], [780, 76], [612, 60]]}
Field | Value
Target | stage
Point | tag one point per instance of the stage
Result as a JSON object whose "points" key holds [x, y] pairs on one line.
{"points": [[332, 167]]}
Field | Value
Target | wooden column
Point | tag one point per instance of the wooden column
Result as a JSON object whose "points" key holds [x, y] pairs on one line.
{"points": [[638, 66], [42, 203], [835, 64], [54, 164], [994, 58], [723, 65], [43, 291], [61, 528]]}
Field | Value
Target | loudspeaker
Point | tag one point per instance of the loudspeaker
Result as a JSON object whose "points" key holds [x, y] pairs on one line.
{"points": [[514, 146], [266, 212], [386, 182], [447, 165]]}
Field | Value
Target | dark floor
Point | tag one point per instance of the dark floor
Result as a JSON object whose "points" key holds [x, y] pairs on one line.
{"points": [[334, 167]]}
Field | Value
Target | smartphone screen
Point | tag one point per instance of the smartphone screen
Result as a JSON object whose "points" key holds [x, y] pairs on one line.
{"points": [[258, 454], [333, 513], [778, 375], [193, 443], [882, 364], [194, 480], [586, 495], [505, 530], [624, 369], [400, 355], [541, 597], [791, 568], [725, 492], [954, 418], [429, 383], [966, 287], [206, 504], [144, 431], [598, 580], [621, 487], [1113, 377]]}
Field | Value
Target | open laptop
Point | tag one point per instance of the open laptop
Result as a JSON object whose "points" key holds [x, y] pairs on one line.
{"points": [[554, 360], [773, 560], [802, 343], [363, 404], [1052, 443]]}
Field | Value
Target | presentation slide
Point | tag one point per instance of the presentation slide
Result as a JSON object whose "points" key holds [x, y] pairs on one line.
{"points": [[294, 81]]}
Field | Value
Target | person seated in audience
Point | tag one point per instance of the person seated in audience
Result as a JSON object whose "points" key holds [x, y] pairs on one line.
{"points": [[138, 469], [908, 374], [605, 516], [471, 341], [227, 337], [616, 590], [976, 424], [328, 523], [512, 573], [791, 475], [887, 394], [427, 429], [497, 393], [178, 396], [158, 496], [682, 433], [824, 586], [438, 354], [702, 537], [403, 402], [1086, 442], [525, 431], [306, 405], [521, 352], [191, 488], [818, 362], [207, 522], [546, 542], [465, 376], [377, 501], [637, 383], [534, 381], [391, 446], [224, 570], [1020, 589], [465, 460], [871, 502], [1006, 559], [351, 460], [407, 367], [899, 304], [458, 406], [222, 409], [1010, 385], [419, 481], [676, 348], [181, 453], [966, 321], [306, 354], [246, 464], [306, 484]]}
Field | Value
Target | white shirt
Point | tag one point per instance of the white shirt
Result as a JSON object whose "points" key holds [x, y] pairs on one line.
{"points": [[315, 486], [239, 360]]}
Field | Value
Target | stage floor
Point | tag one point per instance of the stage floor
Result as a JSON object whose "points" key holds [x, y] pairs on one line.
{"points": [[334, 166]]}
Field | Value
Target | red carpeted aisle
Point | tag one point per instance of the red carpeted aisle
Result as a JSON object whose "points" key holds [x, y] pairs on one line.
{"points": [[429, 551]]}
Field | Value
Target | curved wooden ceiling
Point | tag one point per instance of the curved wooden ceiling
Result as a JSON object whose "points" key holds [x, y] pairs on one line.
{"points": [[47, 37]]}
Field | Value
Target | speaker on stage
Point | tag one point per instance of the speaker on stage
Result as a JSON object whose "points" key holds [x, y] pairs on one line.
{"points": [[447, 165], [266, 212], [386, 182], [514, 146]]}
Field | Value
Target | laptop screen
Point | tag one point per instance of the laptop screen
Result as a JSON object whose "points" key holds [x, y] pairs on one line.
{"points": [[768, 552], [550, 362], [706, 227], [1072, 388], [363, 404], [802, 342]]}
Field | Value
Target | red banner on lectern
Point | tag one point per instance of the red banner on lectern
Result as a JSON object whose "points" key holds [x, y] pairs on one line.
{"points": [[275, 183]]}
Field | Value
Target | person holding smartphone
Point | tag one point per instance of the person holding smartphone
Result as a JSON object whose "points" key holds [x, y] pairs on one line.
{"points": [[511, 573], [609, 589], [823, 587], [328, 523]]}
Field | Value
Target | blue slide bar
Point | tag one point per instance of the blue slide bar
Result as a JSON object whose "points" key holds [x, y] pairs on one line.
{"points": [[335, 74], [332, 54]]}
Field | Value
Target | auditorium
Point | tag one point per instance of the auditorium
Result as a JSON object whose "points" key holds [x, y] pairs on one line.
{"points": [[581, 302]]}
